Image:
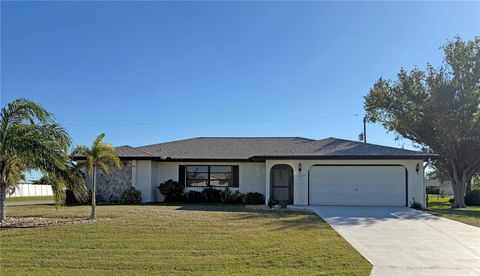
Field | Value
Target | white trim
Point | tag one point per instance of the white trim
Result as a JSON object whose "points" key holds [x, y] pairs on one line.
{"points": [[134, 173]]}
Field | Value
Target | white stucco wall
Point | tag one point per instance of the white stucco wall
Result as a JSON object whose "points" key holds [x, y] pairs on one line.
{"points": [[255, 176], [416, 189], [251, 174], [143, 179]]}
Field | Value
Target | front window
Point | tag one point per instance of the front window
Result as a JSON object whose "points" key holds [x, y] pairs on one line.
{"points": [[204, 176]]}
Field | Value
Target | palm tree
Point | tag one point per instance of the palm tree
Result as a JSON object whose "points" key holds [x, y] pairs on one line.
{"points": [[71, 178], [99, 156], [29, 139]]}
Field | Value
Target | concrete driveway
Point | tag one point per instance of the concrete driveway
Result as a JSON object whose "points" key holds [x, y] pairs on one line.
{"points": [[404, 241]]}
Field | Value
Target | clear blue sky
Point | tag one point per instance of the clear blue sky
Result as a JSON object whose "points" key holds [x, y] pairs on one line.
{"points": [[150, 72]]}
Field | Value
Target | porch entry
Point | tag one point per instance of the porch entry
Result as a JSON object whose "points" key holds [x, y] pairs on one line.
{"points": [[281, 183]]}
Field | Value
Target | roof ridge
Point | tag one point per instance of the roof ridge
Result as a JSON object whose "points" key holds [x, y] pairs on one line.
{"points": [[227, 137], [286, 147], [363, 143], [134, 148], [251, 137], [181, 140]]}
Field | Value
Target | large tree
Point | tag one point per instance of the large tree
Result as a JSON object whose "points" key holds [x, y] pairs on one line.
{"points": [[99, 156], [30, 139], [440, 172], [439, 109]]}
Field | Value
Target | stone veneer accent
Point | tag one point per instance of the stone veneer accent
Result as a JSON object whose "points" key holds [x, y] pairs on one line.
{"points": [[110, 187]]}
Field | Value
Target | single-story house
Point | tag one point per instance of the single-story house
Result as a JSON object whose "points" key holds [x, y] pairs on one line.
{"points": [[302, 171], [436, 186]]}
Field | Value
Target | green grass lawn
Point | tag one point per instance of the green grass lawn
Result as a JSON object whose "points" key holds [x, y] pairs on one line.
{"points": [[441, 207], [29, 198], [189, 239]]}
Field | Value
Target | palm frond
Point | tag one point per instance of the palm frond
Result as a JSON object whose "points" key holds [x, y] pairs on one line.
{"points": [[76, 183], [81, 150], [13, 169], [109, 160], [98, 141], [105, 149], [22, 111], [44, 147], [74, 180], [104, 168], [58, 187]]}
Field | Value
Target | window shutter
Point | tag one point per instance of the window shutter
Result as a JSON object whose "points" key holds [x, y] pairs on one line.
{"points": [[235, 176], [181, 175]]}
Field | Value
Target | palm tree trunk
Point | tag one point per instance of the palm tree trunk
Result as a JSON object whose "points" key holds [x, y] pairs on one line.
{"points": [[94, 194], [3, 203]]}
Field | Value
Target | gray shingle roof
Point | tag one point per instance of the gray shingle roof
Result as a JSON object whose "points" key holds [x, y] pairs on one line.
{"points": [[128, 151], [220, 147], [267, 148], [340, 148]]}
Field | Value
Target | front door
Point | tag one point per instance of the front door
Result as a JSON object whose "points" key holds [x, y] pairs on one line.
{"points": [[281, 183]]}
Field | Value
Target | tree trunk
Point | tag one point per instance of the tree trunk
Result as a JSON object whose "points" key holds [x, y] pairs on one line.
{"points": [[458, 185], [3, 202], [94, 194], [459, 195], [469, 184]]}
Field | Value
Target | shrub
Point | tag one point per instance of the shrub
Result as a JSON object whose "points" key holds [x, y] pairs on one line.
{"points": [[229, 197], [172, 190], [283, 204], [271, 203], [71, 200], [254, 199], [131, 196], [112, 198], [193, 197], [451, 200], [212, 195], [416, 205], [472, 197]]}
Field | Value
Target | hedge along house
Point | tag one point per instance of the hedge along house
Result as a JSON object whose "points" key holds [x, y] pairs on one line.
{"points": [[299, 170]]}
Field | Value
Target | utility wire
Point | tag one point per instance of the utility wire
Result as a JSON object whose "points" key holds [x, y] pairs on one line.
{"points": [[211, 122]]}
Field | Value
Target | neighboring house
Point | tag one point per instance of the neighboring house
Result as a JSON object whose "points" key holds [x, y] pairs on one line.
{"points": [[436, 186], [31, 189], [302, 171]]}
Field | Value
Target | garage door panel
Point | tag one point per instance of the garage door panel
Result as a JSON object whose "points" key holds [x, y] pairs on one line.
{"points": [[357, 185]]}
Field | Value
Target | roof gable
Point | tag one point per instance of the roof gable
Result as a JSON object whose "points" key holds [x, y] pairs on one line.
{"points": [[128, 151]]}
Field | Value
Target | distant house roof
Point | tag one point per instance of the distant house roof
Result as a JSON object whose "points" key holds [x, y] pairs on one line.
{"points": [[436, 183], [261, 148]]}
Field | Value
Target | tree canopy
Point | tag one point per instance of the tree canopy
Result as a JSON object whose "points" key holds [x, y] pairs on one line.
{"points": [[439, 109], [31, 139]]}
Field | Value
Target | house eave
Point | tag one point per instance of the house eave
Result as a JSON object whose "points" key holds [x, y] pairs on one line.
{"points": [[168, 159], [78, 158], [346, 157]]}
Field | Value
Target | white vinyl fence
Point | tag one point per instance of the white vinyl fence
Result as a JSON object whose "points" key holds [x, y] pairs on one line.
{"points": [[32, 190]]}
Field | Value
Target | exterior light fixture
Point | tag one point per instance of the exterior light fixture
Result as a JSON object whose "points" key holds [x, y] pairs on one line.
{"points": [[299, 167], [417, 168]]}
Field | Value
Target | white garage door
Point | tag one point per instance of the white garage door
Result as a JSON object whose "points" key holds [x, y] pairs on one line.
{"points": [[357, 185]]}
